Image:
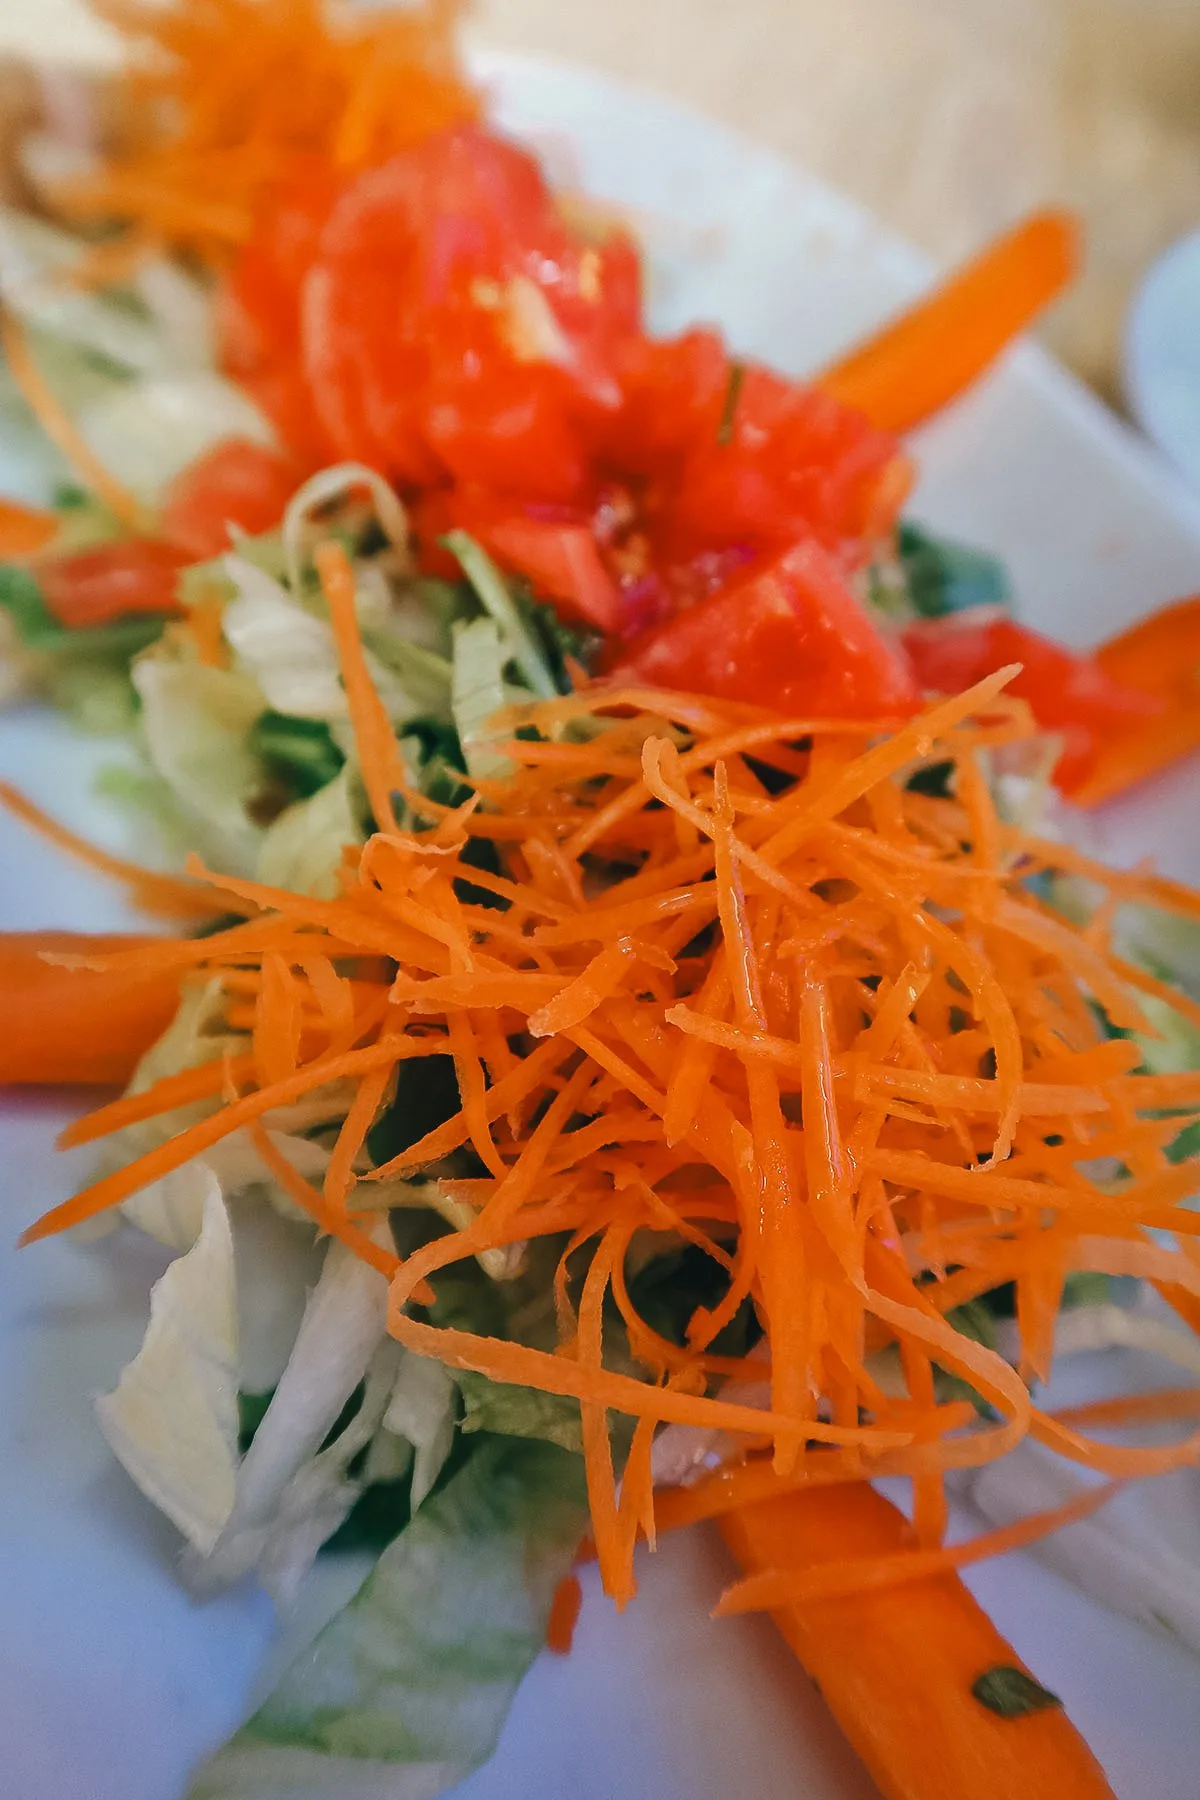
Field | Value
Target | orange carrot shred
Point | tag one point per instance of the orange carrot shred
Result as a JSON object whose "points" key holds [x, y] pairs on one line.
{"points": [[825, 1036], [379, 754], [56, 422], [169, 895], [830, 1581]]}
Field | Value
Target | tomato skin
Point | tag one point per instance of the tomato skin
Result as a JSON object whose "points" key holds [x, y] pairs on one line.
{"points": [[258, 305], [236, 482], [788, 635], [509, 430], [553, 547], [1069, 693], [563, 564], [452, 323], [112, 581]]}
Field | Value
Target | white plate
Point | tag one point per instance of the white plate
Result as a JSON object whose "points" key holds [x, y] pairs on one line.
{"points": [[114, 1683], [1162, 355]]}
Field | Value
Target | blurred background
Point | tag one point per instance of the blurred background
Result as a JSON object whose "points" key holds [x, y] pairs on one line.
{"points": [[947, 117]]}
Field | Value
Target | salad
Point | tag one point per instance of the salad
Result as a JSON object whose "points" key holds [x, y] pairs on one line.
{"points": [[636, 1044]]}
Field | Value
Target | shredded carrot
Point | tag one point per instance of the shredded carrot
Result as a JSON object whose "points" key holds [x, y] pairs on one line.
{"points": [[832, 1580], [59, 427], [826, 1034], [201, 1083], [382, 769], [168, 895], [219, 103], [328, 1217], [1134, 1409]]}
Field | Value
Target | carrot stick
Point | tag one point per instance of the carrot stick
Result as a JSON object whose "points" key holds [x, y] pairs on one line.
{"points": [[1161, 657], [896, 1667], [76, 1025], [927, 357]]}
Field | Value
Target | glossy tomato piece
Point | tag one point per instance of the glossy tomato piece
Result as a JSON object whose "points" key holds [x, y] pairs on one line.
{"points": [[674, 391], [1069, 692], [235, 483], [508, 428], [785, 462], [730, 454], [562, 563], [553, 548], [258, 304], [450, 299], [788, 635], [111, 581]]}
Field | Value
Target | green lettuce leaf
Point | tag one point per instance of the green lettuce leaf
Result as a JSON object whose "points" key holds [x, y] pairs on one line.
{"points": [[520, 1412], [196, 722], [478, 694], [405, 1692], [944, 577], [172, 1419], [302, 848]]}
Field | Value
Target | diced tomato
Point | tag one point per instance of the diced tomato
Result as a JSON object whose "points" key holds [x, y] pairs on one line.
{"points": [[797, 464], [562, 562], [111, 581], [509, 429], [235, 483], [453, 322], [259, 304], [1070, 693], [555, 550], [734, 456], [260, 298], [674, 392], [788, 635]]}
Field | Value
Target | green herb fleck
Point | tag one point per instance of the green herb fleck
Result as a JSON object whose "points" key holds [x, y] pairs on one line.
{"points": [[1011, 1693], [733, 393]]}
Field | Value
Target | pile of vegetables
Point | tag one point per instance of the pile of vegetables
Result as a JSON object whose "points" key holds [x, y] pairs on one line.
{"points": [[634, 1020]]}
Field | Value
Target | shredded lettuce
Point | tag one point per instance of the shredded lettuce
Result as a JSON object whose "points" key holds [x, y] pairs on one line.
{"points": [[85, 673], [172, 1420], [279, 1487], [148, 431], [478, 694], [300, 753], [302, 849], [34, 258], [492, 590], [196, 722], [405, 1692], [422, 1408], [321, 491]]}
